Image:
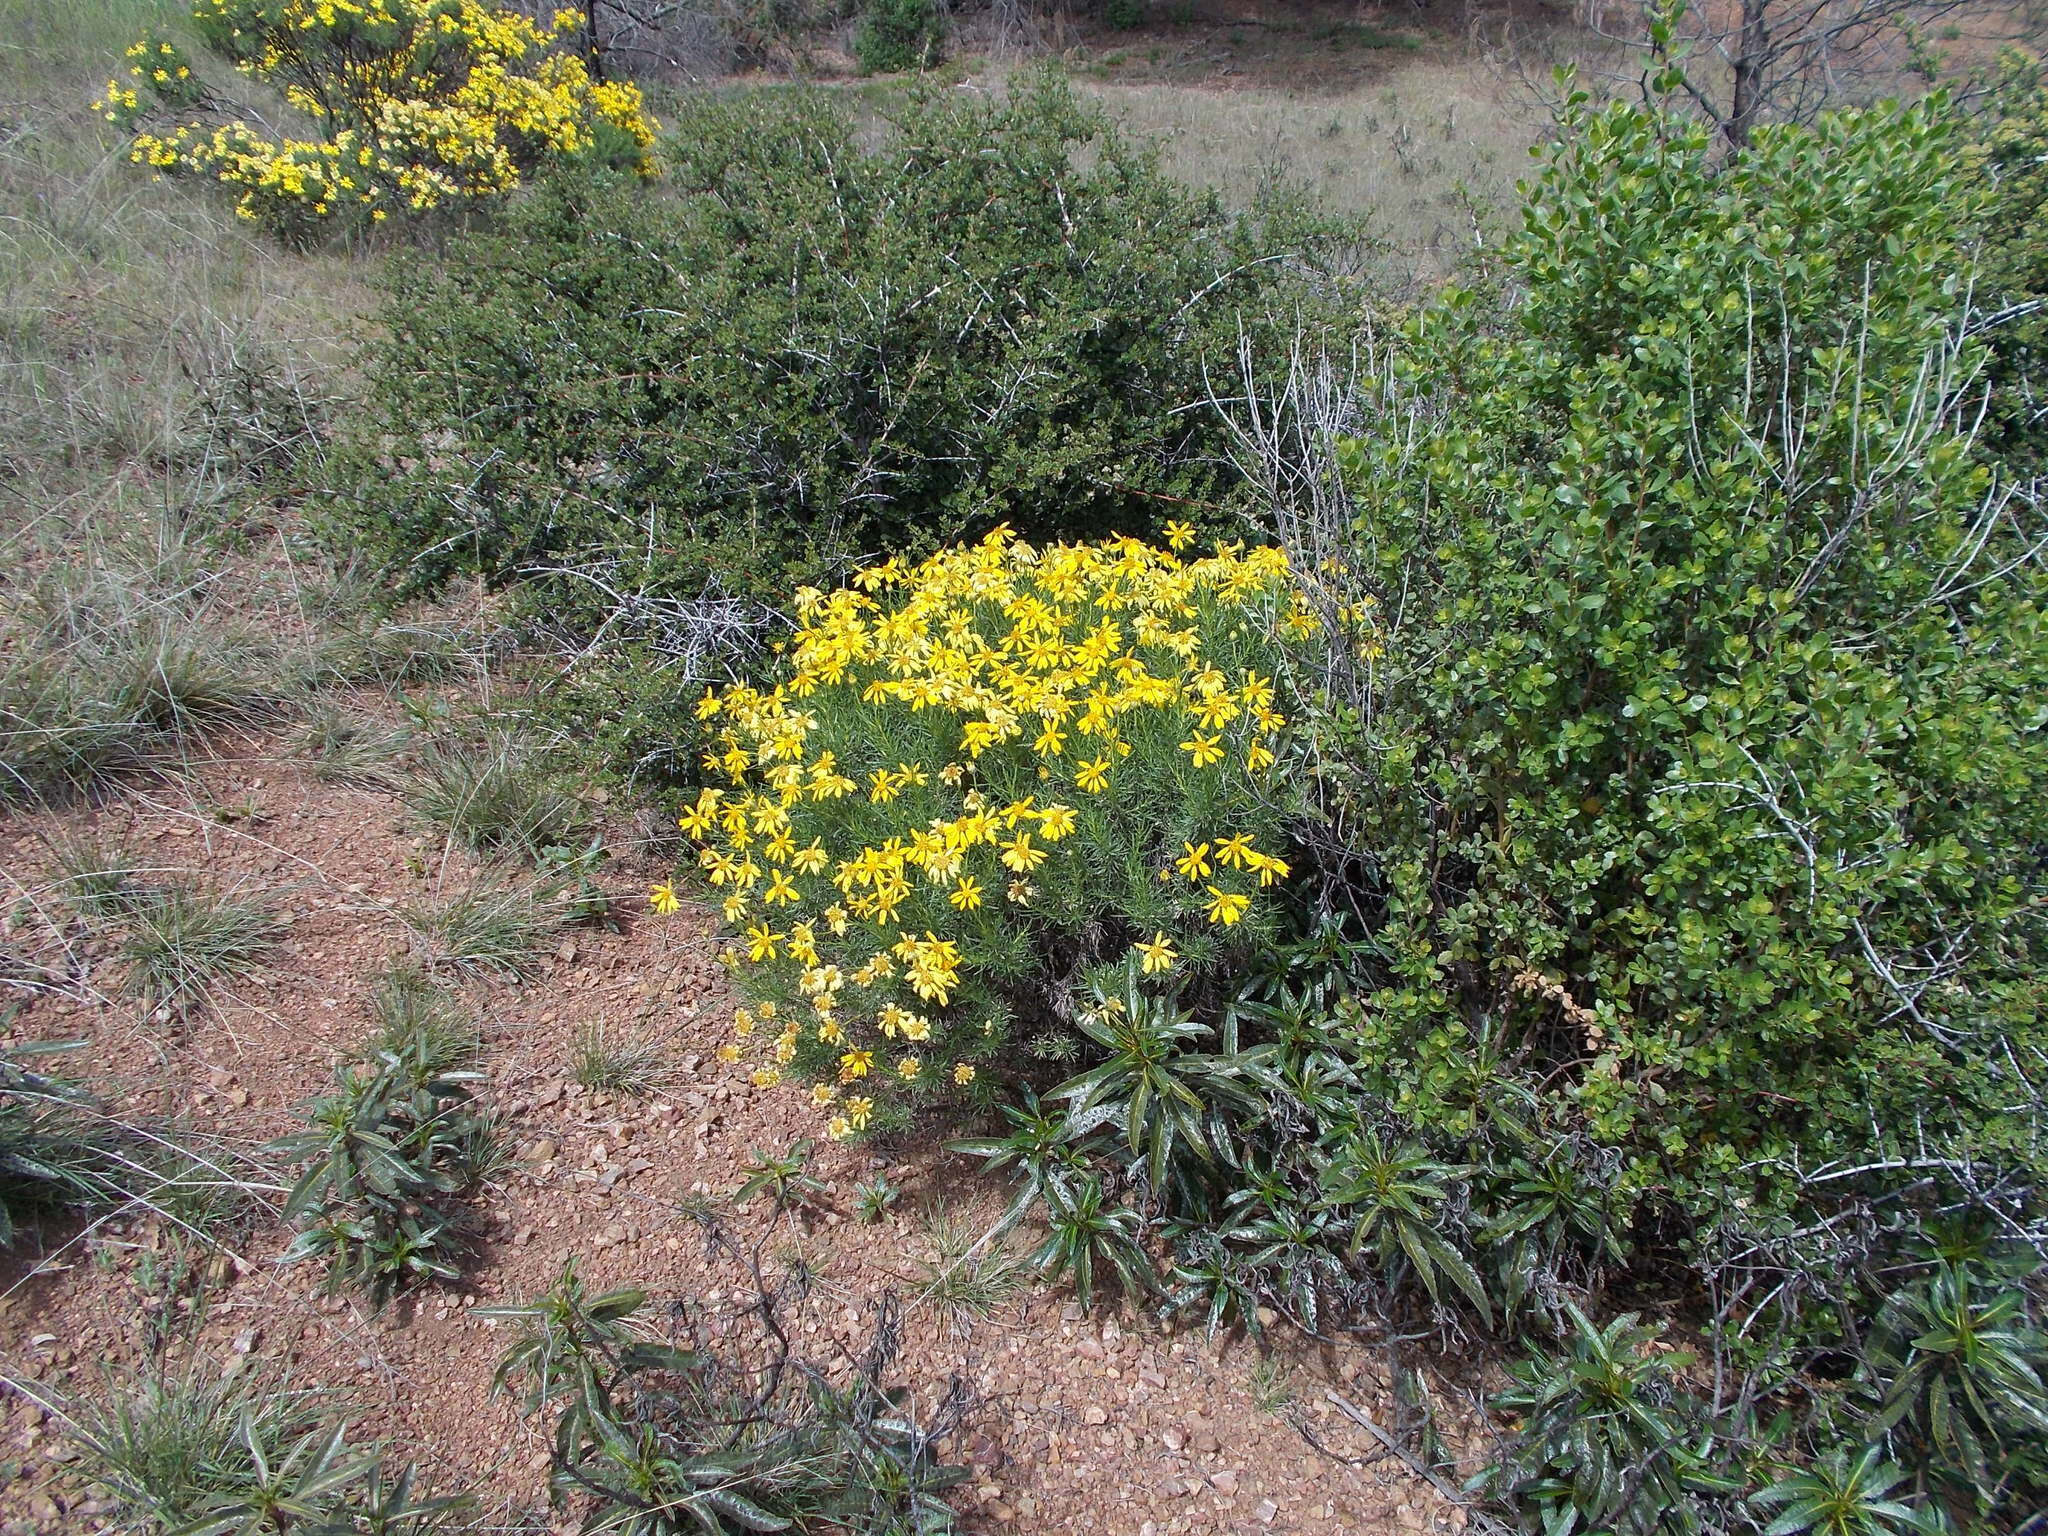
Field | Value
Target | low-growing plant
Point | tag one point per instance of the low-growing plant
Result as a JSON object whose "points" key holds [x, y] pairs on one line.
{"points": [[1086, 1235], [781, 1177], [410, 104], [873, 1198], [423, 1023], [57, 1150], [665, 1435], [1006, 763], [1610, 1440], [207, 1453], [388, 1156]]}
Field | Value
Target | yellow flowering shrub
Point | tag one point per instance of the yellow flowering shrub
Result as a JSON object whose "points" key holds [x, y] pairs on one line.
{"points": [[412, 103], [976, 776]]}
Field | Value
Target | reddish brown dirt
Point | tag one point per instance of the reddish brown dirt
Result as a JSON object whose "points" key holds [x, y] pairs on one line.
{"points": [[1096, 1423]]}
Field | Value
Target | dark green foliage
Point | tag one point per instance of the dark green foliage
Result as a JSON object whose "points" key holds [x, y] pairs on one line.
{"points": [[654, 415], [661, 1438], [2009, 156], [387, 1157], [1954, 1373], [1087, 1235], [1608, 1441], [1151, 1087], [1700, 776], [895, 35]]}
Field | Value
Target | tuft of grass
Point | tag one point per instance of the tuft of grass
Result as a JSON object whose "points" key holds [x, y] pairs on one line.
{"points": [[423, 1023], [61, 1149], [94, 880], [187, 941], [169, 1447], [635, 1062], [967, 1284], [391, 653], [345, 748], [498, 794], [494, 930], [1269, 1387]]}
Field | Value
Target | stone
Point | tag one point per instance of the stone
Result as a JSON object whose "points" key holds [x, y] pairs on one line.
{"points": [[1223, 1482]]}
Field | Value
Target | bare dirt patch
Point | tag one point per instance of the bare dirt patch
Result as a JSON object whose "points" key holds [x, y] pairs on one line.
{"points": [[1086, 1423]]}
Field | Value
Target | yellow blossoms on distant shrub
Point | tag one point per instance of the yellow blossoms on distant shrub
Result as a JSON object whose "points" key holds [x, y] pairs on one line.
{"points": [[413, 103], [973, 775]]}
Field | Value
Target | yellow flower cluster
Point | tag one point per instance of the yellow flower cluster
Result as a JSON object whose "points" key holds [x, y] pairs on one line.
{"points": [[417, 102], [967, 751]]}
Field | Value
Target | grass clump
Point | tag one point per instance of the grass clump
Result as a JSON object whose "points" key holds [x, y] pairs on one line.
{"points": [[184, 943], [612, 1061], [493, 930], [499, 794], [345, 748], [202, 1451], [970, 1275]]}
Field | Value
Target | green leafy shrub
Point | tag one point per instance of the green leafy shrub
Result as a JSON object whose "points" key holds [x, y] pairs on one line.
{"points": [[656, 419], [895, 35], [1609, 1441], [1709, 786], [1008, 765]]}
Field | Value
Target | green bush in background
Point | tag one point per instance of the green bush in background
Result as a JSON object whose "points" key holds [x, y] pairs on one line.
{"points": [[1713, 790], [649, 414], [895, 35]]}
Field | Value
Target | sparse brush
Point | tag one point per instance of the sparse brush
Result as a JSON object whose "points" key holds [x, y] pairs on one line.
{"points": [[178, 683], [494, 930], [345, 748], [75, 718], [970, 1274], [743, 1436], [620, 1062], [185, 942], [498, 794], [423, 1022]]}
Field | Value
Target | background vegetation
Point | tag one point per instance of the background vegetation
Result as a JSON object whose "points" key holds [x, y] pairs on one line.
{"points": [[1648, 1011]]}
